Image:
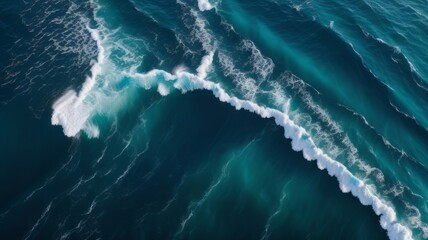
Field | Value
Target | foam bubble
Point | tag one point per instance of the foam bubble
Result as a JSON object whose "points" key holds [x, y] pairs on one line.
{"points": [[163, 89], [205, 66], [68, 115], [204, 5]]}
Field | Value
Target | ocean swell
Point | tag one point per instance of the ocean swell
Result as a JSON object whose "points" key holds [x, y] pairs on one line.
{"points": [[73, 112], [300, 141]]}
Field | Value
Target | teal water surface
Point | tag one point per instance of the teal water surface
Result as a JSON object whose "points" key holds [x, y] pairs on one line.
{"points": [[223, 119]]}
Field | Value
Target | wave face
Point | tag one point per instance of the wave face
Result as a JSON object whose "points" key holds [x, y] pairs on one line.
{"points": [[231, 119]]}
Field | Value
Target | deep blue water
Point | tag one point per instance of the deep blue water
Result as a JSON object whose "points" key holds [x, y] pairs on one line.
{"points": [[231, 119]]}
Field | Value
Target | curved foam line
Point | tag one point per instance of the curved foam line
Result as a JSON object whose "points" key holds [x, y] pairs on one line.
{"points": [[300, 141]]}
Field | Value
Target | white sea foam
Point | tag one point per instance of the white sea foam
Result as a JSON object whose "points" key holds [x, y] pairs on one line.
{"points": [[201, 34], [163, 89], [205, 66], [204, 5], [279, 97], [414, 216], [247, 86], [69, 110], [262, 66]]}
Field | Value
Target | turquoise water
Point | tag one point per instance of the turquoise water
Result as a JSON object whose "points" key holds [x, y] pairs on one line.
{"points": [[214, 119]]}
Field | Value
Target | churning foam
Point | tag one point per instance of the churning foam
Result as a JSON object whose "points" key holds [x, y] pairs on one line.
{"points": [[69, 110]]}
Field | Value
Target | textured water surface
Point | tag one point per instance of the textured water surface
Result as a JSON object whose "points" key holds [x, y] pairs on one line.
{"points": [[231, 119]]}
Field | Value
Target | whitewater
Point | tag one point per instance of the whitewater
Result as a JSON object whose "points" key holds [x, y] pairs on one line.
{"points": [[73, 111]]}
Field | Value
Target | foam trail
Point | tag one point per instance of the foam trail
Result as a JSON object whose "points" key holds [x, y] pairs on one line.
{"points": [[266, 232], [194, 206], [46, 211]]}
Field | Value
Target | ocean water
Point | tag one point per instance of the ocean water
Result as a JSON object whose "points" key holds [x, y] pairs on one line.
{"points": [[213, 119]]}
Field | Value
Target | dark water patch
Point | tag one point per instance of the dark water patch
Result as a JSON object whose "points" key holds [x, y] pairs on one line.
{"points": [[32, 151]]}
